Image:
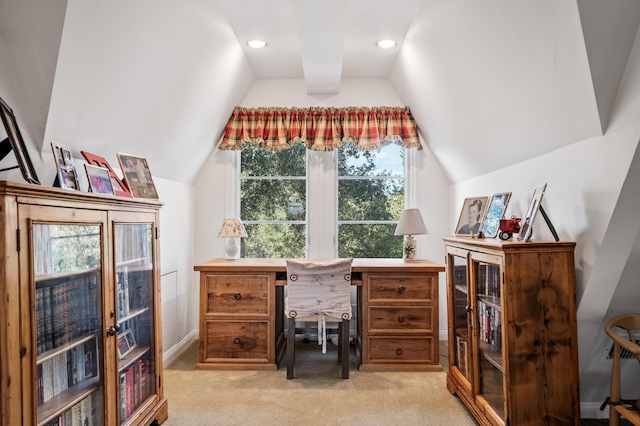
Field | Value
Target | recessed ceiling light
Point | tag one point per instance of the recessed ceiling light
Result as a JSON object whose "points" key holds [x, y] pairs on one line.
{"points": [[386, 44], [257, 44]]}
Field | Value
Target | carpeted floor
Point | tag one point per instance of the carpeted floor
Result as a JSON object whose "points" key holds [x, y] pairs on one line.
{"points": [[316, 396]]}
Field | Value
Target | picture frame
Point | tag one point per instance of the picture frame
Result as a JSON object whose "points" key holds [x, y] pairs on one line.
{"points": [[137, 176], [126, 343], [495, 211], [472, 216], [15, 142], [99, 179], [119, 187], [534, 206], [67, 177]]}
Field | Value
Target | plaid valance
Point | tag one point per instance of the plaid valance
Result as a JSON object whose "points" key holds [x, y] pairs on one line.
{"points": [[320, 129]]}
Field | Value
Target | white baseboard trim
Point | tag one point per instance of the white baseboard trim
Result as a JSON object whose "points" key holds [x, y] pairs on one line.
{"points": [[591, 410], [173, 352]]}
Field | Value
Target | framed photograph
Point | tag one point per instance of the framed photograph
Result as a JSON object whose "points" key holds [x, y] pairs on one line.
{"points": [[15, 142], [495, 212], [137, 176], [126, 343], [472, 216], [532, 211], [119, 187], [99, 179], [67, 177]]}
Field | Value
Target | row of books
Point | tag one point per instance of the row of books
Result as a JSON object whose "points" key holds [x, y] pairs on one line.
{"points": [[59, 373], [67, 310], [462, 355], [488, 280], [490, 325], [136, 384], [82, 414]]}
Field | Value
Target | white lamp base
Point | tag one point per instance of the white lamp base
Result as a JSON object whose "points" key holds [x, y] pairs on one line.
{"points": [[232, 249], [409, 248]]}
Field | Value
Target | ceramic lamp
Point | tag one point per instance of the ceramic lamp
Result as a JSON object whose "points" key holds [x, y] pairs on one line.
{"points": [[410, 224], [232, 229]]}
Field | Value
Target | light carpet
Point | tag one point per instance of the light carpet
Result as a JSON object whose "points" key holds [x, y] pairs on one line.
{"points": [[317, 396]]}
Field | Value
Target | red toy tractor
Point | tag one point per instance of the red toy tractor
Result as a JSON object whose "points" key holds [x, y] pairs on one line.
{"points": [[508, 227]]}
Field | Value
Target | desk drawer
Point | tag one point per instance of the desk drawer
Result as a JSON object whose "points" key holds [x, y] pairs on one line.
{"points": [[401, 349], [237, 294], [396, 288], [236, 340], [414, 318]]}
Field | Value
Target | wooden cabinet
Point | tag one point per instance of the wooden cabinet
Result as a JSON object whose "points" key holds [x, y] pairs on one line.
{"points": [[79, 309], [513, 352], [237, 320], [400, 317]]}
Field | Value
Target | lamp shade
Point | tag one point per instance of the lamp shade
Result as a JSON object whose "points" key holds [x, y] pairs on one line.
{"points": [[232, 228], [410, 223]]}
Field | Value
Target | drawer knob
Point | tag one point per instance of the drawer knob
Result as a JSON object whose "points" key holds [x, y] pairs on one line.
{"points": [[401, 289], [399, 351], [400, 318], [236, 340], [237, 296]]}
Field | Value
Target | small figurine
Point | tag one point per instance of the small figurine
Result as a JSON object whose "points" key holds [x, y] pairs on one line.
{"points": [[508, 227]]}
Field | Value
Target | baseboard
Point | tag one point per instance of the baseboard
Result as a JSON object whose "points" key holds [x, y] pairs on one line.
{"points": [[591, 410], [173, 352]]}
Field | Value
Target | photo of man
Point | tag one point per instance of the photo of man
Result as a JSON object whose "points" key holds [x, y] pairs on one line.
{"points": [[472, 216]]}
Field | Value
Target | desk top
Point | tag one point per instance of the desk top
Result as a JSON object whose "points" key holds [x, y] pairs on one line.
{"points": [[280, 265]]}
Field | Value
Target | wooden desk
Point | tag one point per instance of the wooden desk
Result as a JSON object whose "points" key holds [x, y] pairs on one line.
{"points": [[242, 314]]}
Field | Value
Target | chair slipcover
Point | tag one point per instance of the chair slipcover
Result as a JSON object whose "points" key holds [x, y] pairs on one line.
{"points": [[319, 289]]}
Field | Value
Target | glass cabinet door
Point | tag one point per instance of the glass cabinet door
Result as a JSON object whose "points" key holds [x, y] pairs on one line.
{"points": [[461, 323], [135, 316], [488, 319], [67, 265]]}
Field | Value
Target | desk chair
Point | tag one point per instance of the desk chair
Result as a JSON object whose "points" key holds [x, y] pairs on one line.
{"points": [[631, 411], [319, 291]]}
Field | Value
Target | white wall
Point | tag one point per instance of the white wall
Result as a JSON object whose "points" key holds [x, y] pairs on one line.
{"points": [[217, 181]]}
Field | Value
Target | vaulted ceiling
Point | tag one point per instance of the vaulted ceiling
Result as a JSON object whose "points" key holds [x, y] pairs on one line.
{"points": [[490, 83]]}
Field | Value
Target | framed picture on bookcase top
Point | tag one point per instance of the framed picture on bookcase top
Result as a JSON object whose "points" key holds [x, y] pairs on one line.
{"points": [[495, 212], [472, 216], [119, 187], [67, 176], [532, 212], [99, 179], [137, 176]]}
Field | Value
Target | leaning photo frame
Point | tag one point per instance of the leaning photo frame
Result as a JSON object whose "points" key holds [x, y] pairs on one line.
{"points": [[119, 187], [472, 216], [532, 211], [15, 142], [495, 212], [99, 179], [137, 176], [67, 177], [126, 343]]}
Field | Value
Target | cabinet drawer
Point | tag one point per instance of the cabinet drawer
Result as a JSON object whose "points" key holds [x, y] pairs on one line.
{"points": [[237, 294], [417, 318], [401, 349], [234, 340], [415, 288]]}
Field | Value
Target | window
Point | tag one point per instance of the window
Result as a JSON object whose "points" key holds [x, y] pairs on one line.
{"points": [[273, 194], [370, 200], [368, 187]]}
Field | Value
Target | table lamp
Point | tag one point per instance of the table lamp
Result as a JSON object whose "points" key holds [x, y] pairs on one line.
{"points": [[232, 228], [410, 224]]}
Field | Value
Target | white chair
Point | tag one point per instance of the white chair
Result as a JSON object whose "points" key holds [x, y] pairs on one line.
{"points": [[319, 290]]}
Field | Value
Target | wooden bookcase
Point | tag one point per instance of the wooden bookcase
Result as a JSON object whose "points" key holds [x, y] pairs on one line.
{"points": [[80, 332], [513, 350]]}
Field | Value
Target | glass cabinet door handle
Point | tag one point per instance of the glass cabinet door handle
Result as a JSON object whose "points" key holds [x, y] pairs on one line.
{"points": [[113, 329]]}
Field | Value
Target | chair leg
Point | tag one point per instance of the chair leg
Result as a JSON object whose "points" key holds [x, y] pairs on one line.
{"points": [[345, 348], [291, 346], [340, 343]]}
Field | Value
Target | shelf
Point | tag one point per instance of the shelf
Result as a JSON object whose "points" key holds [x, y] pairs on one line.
{"points": [[492, 354], [136, 261], [132, 314], [462, 288], [491, 301], [52, 353], [50, 280], [67, 399], [132, 357]]}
